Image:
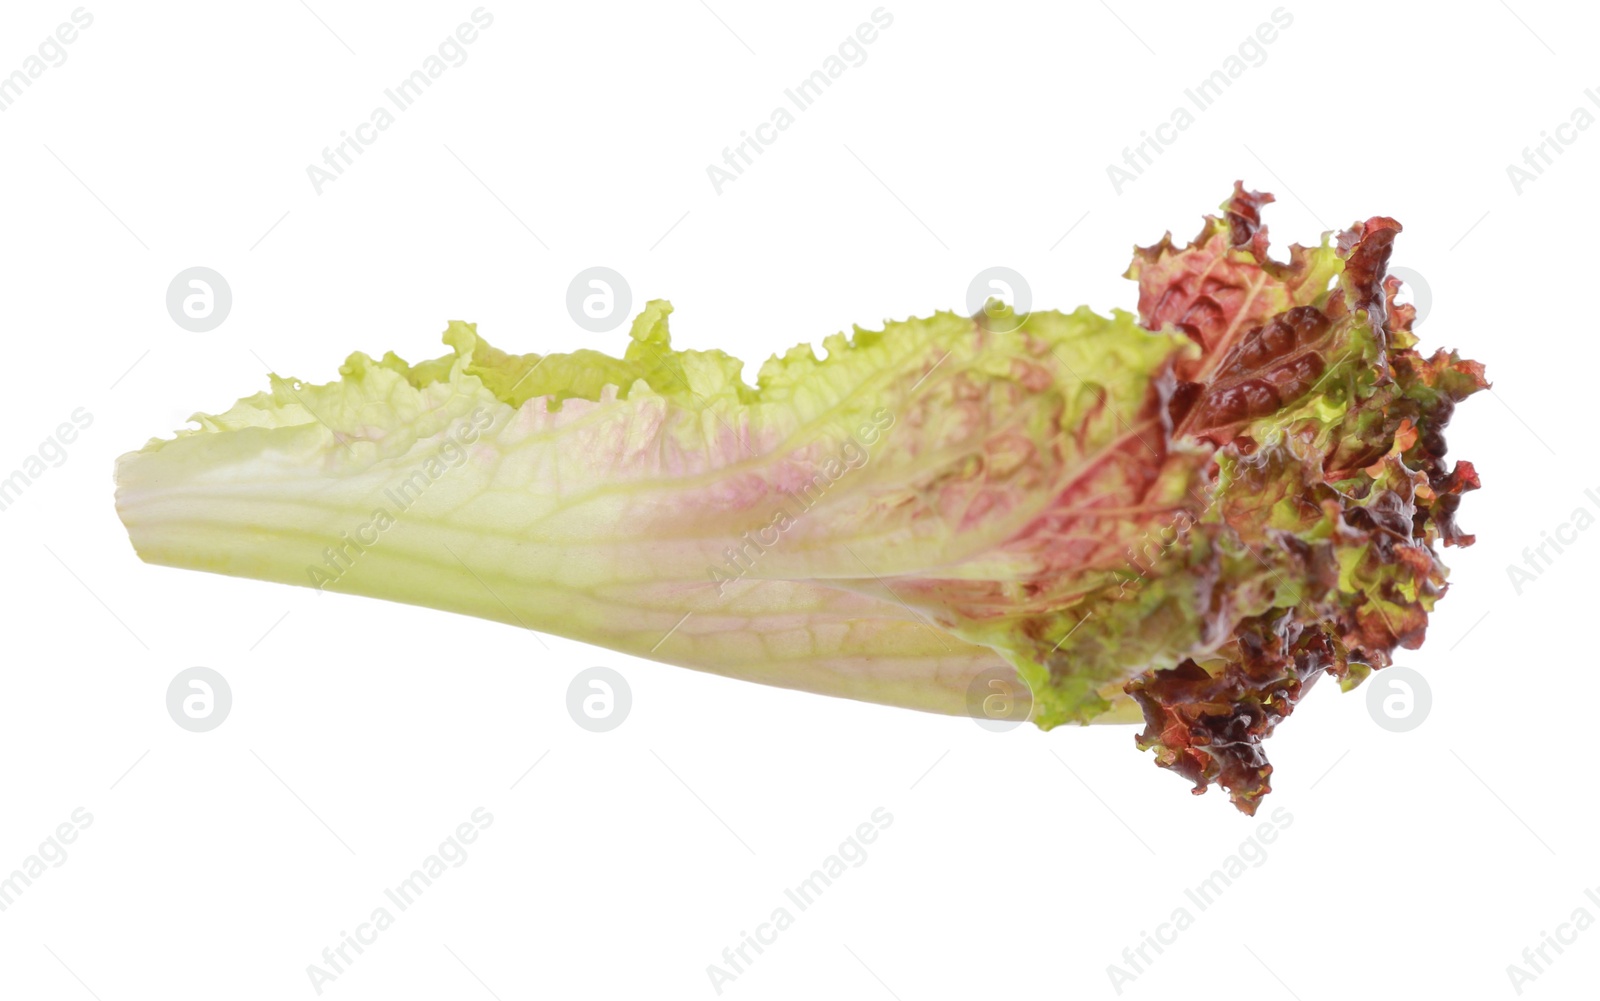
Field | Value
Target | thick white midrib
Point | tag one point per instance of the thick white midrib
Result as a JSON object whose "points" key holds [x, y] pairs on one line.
{"points": [[909, 668]]}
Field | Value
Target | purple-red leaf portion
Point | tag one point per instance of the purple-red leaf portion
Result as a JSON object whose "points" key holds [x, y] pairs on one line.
{"points": [[1329, 435]]}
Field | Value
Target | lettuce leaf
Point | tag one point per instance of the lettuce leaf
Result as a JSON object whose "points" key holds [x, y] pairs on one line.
{"points": [[1330, 474], [1186, 514]]}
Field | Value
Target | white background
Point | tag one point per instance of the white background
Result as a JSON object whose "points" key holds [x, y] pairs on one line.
{"points": [[222, 864]]}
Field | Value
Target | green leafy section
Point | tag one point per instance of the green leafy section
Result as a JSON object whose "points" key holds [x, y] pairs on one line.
{"points": [[1187, 515], [885, 522]]}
